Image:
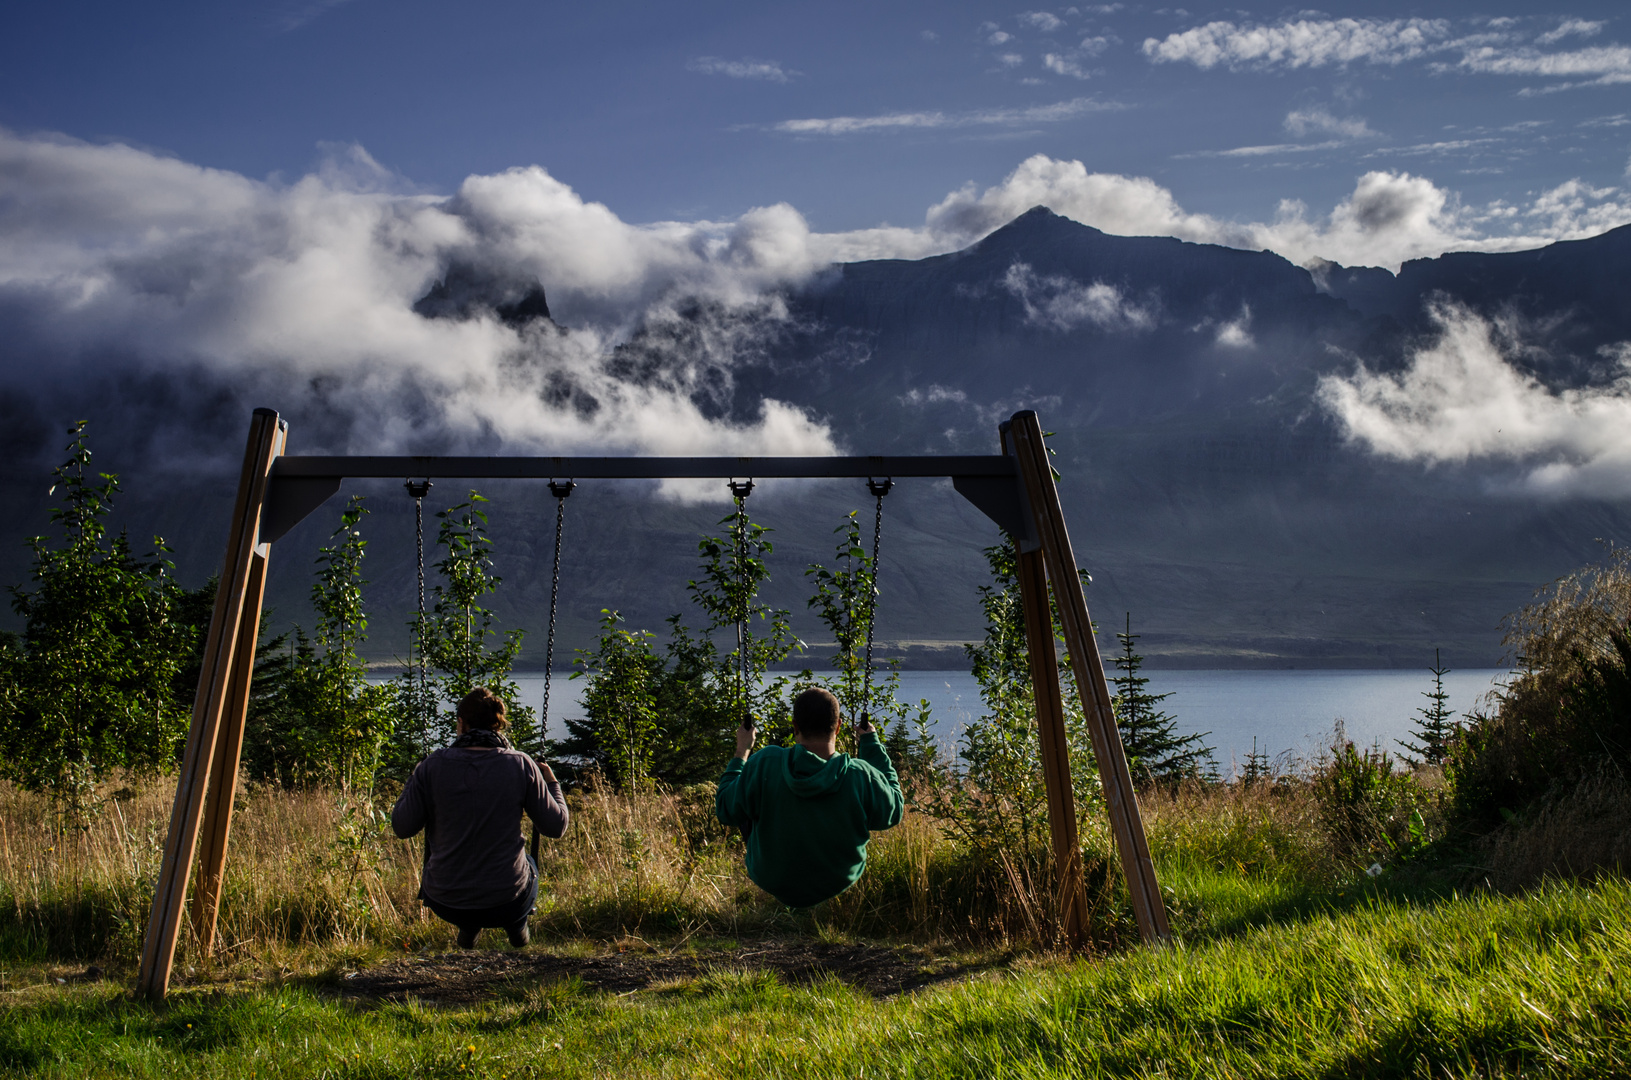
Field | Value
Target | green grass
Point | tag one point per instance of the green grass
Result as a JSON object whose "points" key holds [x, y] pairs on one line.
{"points": [[1360, 982]]}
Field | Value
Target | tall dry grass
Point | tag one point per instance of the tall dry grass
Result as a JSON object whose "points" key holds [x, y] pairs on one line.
{"points": [[319, 867], [1583, 831]]}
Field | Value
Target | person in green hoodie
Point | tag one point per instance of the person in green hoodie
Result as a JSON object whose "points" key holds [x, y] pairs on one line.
{"points": [[806, 810]]}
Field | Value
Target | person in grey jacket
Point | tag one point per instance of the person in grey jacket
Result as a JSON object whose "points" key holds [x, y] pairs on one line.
{"points": [[469, 798]]}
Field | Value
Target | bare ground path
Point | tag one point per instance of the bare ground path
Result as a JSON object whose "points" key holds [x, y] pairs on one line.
{"points": [[458, 978]]}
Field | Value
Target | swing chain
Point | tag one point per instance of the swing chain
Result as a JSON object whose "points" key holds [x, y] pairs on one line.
{"points": [[878, 488], [740, 490], [559, 489], [417, 490]]}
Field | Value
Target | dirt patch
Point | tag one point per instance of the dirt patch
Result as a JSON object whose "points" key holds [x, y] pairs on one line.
{"points": [[480, 974]]}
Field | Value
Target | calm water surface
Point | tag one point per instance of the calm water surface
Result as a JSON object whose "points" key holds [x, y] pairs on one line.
{"points": [[1282, 710]]}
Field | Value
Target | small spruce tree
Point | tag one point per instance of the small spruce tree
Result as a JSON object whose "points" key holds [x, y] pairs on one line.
{"points": [[1156, 753], [1435, 726]]}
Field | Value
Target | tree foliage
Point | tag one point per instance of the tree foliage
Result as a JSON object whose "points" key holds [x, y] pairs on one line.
{"points": [[318, 718], [669, 716], [998, 801], [1435, 726], [845, 600], [458, 640], [1565, 715], [91, 684], [1156, 753]]}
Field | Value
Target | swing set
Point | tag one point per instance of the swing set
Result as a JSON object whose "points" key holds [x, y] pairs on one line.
{"points": [[1015, 489]]}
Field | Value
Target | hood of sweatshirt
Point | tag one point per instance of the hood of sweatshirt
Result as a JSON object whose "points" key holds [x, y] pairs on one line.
{"points": [[811, 777]]}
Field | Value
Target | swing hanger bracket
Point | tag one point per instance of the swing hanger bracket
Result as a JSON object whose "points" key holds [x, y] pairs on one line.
{"points": [[879, 488], [740, 489], [562, 488], [418, 489]]}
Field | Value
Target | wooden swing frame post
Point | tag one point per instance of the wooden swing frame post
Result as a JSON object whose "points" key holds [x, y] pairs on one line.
{"points": [[218, 719], [1014, 489], [1023, 437]]}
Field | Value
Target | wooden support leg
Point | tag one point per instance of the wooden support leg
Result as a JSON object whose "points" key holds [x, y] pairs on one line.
{"points": [[1050, 723], [1026, 434], [217, 823], [266, 434]]}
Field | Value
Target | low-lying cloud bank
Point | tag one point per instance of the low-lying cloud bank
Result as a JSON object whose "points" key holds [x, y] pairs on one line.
{"points": [[117, 264], [1465, 396]]}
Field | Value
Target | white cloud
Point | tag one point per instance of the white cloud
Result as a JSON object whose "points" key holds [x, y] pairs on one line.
{"points": [[763, 70], [1237, 332], [1496, 49], [1462, 398], [1045, 21], [1060, 64], [1581, 27], [1010, 59], [1093, 46], [1063, 304], [1446, 146], [934, 395], [1390, 216], [118, 264], [1001, 37], [1266, 150], [1575, 208], [1035, 114], [1300, 43], [1319, 120], [1610, 64]]}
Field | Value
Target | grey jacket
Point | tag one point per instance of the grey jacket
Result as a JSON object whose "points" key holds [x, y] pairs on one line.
{"points": [[469, 802]]}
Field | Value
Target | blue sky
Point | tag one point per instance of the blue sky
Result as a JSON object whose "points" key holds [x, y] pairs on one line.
{"points": [[693, 111]]}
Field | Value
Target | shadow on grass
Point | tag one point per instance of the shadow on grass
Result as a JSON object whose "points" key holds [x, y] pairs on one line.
{"points": [[1206, 904]]}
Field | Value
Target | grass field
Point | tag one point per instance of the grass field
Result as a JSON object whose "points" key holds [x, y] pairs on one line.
{"points": [[1287, 964]]}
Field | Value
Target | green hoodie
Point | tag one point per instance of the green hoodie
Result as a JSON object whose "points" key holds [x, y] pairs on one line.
{"points": [[806, 820]]}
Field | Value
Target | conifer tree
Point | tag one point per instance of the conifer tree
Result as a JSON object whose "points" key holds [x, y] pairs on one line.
{"points": [[1436, 726], [1156, 753]]}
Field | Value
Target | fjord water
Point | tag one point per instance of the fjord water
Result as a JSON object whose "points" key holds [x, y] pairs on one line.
{"points": [[1286, 710]]}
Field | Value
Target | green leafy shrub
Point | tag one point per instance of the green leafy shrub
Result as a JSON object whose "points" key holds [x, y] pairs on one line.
{"points": [[1368, 809], [93, 684], [997, 804]]}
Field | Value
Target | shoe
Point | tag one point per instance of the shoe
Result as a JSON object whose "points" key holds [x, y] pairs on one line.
{"points": [[520, 936], [467, 937]]}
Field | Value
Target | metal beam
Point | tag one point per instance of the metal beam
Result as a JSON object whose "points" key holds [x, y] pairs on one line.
{"points": [[300, 484], [643, 468]]}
